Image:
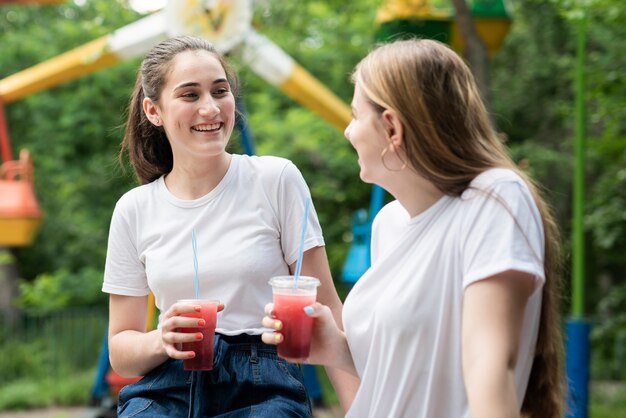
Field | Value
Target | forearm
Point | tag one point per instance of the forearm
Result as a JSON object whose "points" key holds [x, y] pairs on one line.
{"points": [[345, 384], [493, 313], [340, 369], [491, 391], [343, 374], [134, 353]]}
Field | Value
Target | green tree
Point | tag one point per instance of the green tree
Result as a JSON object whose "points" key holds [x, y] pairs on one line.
{"points": [[73, 131]]}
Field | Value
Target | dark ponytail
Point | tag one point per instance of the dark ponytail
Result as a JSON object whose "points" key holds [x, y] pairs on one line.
{"points": [[148, 149], [147, 145]]}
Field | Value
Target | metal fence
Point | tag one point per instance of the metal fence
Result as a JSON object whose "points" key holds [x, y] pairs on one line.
{"points": [[34, 345]]}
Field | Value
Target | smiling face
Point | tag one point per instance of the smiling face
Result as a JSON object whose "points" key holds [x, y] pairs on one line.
{"points": [[366, 134], [196, 107]]}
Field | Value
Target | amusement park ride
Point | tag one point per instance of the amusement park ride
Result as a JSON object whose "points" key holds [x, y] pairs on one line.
{"points": [[227, 23]]}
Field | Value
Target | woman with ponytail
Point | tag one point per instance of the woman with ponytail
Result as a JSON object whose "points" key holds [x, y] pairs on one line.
{"points": [[246, 213]]}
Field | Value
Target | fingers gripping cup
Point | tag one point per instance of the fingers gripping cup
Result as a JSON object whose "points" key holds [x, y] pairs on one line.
{"points": [[204, 348], [291, 296]]}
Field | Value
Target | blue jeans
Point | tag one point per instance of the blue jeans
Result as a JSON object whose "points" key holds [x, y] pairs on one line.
{"points": [[248, 380]]}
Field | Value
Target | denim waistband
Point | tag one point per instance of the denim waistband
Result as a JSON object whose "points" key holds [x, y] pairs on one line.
{"points": [[241, 339]]}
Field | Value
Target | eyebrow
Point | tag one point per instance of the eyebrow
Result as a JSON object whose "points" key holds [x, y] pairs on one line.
{"points": [[195, 84]]}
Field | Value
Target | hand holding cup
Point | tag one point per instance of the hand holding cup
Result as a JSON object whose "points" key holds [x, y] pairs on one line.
{"points": [[328, 343], [188, 332]]}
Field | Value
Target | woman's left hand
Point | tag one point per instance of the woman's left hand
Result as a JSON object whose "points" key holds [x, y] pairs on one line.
{"points": [[329, 345]]}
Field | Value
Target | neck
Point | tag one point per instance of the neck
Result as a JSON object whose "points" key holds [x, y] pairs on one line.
{"points": [[192, 181], [415, 193]]}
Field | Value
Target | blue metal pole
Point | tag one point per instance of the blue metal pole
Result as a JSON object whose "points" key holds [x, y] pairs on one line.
{"points": [[577, 346], [312, 384], [246, 136], [101, 387], [377, 200]]}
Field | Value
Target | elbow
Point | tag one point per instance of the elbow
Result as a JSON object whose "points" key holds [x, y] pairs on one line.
{"points": [[117, 360], [114, 361]]}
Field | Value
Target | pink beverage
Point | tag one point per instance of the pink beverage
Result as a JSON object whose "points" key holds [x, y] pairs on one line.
{"points": [[203, 348], [289, 304], [297, 325]]}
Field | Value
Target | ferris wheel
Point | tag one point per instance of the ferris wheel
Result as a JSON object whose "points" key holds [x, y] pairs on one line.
{"points": [[226, 23]]}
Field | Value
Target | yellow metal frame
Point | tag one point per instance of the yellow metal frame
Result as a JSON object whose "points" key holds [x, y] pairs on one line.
{"points": [[18, 232], [151, 313], [492, 31], [65, 67], [306, 89]]}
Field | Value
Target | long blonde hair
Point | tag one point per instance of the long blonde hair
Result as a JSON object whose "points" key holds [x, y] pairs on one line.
{"points": [[449, 140]]}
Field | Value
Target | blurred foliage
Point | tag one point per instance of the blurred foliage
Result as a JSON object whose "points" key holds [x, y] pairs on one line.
{"points": [[46, 392], [50, 344], [609, 334], [607, 400], [533, 84], [73, 131], [49, 291]]}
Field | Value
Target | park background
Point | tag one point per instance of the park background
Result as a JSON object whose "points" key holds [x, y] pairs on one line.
{"points": [[52, 326]]}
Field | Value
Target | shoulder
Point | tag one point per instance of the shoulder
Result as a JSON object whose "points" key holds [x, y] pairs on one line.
{"points": [[137, 196], [495, 176], [263, 164], [392, 212], [268, 169], [497, 182], [394, 209], [499, 192]]}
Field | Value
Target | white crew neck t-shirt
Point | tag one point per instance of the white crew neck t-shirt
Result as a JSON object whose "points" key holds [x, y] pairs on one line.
{"points": [[248, 230], [403, 316]]}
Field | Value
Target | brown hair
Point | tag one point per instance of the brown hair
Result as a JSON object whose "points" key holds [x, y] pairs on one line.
{"points": [[147, 145], [449, 140]]}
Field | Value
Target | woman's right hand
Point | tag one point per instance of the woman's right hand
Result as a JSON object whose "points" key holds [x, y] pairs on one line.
{"points": [[176, 317], [329, 346]]}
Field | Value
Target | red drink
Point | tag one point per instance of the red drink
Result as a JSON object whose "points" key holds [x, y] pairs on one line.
{"points": [[290, 299], [297, 325], [203, 348]]}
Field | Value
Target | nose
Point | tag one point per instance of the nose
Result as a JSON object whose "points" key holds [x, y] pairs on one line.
{"points": [[209, 107], [346, 132]]}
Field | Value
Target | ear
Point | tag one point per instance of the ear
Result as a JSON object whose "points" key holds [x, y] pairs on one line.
{"points": [[152, 111], [393, 127]]}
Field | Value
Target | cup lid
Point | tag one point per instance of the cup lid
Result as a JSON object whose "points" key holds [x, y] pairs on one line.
{"points": [[209, 301], [285, 282]]}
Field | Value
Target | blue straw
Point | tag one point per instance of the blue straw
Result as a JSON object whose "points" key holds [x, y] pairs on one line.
{"points": [[305, 222], [194, 247]]}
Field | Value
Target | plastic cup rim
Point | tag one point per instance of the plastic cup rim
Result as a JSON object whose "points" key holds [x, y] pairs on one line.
{"points": [[287, 281], [210, 301]]}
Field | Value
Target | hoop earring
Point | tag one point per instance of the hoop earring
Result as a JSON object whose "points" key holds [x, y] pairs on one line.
{"points": [[382, 158]]}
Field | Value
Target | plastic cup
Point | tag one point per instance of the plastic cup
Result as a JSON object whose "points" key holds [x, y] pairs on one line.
{"points": [[289, 304], [204, 348]]}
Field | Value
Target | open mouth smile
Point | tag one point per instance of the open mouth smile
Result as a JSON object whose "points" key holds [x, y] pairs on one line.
{"points": [[211, 127]]}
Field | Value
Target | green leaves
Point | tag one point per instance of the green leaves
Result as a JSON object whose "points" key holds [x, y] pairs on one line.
{"points": [[73, 131]]}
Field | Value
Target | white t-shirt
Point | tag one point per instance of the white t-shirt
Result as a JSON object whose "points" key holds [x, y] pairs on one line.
{"points": [[248, 230], [403, 316]]}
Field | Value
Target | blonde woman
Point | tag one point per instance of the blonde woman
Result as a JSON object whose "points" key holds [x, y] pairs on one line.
{"points": [[457, 315]]}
